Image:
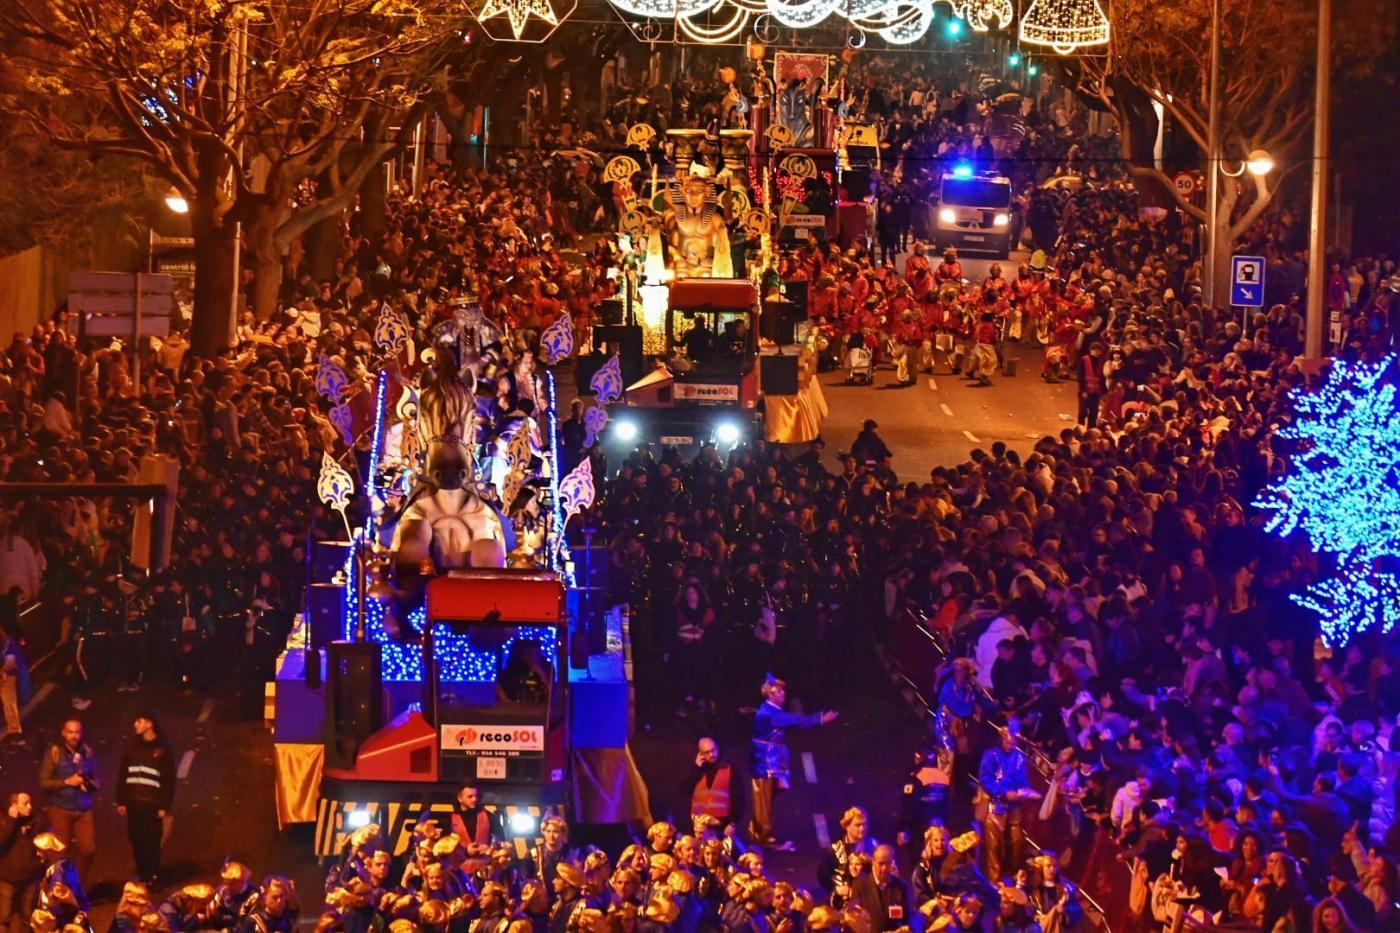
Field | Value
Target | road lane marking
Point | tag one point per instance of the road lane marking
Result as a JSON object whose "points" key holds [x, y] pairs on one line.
{"points": [[205, 711], [946, 410], [39, 696], [823, 834], [971, 437], [809, 767], [933, 383], [186, 762]]}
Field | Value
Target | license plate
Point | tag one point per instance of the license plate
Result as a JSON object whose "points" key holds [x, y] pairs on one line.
{"points": [[676, 440], [800, 233], [974, 238], [491, 769]]}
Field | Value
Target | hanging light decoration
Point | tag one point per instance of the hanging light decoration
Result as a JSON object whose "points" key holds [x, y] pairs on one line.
{"points": [[715, 31], [528, 20], [1065, 25], [910, 24], [803, 13], [981, 13]]}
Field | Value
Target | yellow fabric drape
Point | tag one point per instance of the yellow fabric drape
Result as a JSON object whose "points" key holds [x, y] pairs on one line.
{"points": [[298, 776], [797, 419]]}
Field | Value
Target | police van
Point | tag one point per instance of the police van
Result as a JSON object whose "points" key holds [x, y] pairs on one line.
{"points": [[974, 212]]}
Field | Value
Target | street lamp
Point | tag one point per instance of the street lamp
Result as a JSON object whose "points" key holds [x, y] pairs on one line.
{"points": [[176, 202], [1259, 162]]}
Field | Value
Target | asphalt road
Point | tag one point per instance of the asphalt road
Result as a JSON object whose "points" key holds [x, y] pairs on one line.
{"points": [[224, 802], [860, 759], [224, 805], [941, 418]]}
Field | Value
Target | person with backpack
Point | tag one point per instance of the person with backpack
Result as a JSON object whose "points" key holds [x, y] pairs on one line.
{"points": [[68, 774]]}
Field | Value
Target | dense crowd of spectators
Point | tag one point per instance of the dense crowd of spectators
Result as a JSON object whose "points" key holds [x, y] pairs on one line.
{"points": [[248, 430], [1245, 771]]}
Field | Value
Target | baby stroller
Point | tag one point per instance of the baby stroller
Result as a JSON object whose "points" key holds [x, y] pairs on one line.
{"points": [[860, 366]]}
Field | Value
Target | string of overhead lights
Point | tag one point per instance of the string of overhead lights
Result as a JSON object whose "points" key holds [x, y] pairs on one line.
{"points": [[1063, 25]]}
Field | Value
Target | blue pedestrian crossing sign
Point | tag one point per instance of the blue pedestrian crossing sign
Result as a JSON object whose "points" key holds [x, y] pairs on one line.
{"points": [[1247, 281]]}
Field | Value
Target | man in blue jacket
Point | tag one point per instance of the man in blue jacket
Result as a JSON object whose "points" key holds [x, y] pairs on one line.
{"points": [[1006, 781], [770, 766]]}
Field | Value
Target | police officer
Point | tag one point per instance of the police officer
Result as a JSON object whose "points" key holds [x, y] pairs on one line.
{"points": [[145, 792]]}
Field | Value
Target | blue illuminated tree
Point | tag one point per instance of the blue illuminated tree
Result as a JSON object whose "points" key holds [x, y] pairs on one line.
{"points": [[1342, 490]]}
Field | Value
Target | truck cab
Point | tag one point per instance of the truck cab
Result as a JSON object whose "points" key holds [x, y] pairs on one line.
{"points": [[705, 386], [974, 212]]}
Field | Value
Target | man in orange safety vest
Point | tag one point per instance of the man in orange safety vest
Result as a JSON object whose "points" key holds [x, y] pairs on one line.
{"points": [[714, 789]]}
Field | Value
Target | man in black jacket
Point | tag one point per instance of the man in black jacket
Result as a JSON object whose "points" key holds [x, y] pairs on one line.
{"points": [[868, 447], [883, 894], [145, 792], [19, 862]]}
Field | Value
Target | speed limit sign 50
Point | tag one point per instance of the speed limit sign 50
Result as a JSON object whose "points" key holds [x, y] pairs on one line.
{"points": [[1185, 183]]}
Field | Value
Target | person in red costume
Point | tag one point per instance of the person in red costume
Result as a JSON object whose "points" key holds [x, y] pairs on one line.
{"points": [[949, 270]]}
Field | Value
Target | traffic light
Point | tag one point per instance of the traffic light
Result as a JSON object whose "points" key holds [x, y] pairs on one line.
{"points": [[955, 28], [1014, 59]]}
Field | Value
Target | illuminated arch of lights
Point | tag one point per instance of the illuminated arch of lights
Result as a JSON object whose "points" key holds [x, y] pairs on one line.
{"points": [[1065, 25]]}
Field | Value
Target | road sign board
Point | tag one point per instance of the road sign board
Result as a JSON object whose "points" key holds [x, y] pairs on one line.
{"points": [[108, 302], [1185, 183], [1247, 281]]}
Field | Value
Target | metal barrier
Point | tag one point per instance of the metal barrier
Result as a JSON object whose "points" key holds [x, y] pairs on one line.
{"points": [[914, 656]]}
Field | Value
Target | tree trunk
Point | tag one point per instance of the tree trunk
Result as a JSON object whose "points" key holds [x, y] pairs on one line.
{"points": [[267, 286], [372, 207], [260, 239], [213, 281], [1224, 246], [322, 244]]}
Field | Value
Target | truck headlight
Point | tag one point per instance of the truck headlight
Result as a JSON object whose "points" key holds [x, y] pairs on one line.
{"points": [[357, 819], [1001, 220], [625, 431], [522, 823], [946, 215], [728, 434]]}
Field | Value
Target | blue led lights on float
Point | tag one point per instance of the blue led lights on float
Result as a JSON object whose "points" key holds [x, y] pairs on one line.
{"points": [[1342, 490], [558, 554], [458, 660]]}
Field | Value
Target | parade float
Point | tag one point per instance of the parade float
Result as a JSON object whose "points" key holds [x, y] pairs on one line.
{"points": [[450, 639], [718, 360]]}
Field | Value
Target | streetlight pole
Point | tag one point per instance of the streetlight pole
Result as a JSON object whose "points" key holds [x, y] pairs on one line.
{"points": [[1212, 161], [1317, 233]]}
